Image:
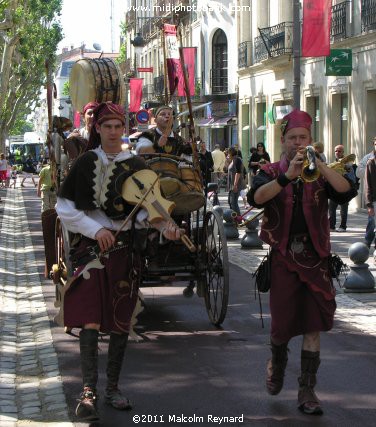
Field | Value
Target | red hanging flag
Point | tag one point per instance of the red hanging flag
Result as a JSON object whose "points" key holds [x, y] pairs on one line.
{"points": [[174, 71], [317, 16], [189, 54], [135, 88], [76, 119]]}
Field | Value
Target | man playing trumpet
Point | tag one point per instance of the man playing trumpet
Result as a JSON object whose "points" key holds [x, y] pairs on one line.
{"points": [[296, 226]]}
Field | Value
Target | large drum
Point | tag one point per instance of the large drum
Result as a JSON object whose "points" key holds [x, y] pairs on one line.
{"points": [[168, 171], [96, 80], [190, 197]]}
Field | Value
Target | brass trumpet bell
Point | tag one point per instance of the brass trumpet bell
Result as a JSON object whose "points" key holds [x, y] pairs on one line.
{"points": [[342, 165], [310, 171]]}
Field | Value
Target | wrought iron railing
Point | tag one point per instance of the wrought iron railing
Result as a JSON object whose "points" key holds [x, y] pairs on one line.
{"points": [[273, 41], [339, 21], [368, 15], [244, 54]]}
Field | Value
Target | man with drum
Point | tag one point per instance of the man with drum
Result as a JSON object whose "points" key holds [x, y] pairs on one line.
{"points": [[162, 139], [102, 294]]}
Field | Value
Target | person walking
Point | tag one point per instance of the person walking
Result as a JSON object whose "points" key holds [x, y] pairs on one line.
{"points": [[370, 195], [339, 152], [28, 171], [296, 226], [46, 189], [103, 294], [219, 160], [235, 179], [258, 158], [206, 162], [369, 235]]}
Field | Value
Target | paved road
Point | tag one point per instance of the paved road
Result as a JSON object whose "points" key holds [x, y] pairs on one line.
{"points": [[183, 366]]}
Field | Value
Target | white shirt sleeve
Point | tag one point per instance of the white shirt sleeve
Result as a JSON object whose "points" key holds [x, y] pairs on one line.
{"points": [[76, 220], [143, 143]]}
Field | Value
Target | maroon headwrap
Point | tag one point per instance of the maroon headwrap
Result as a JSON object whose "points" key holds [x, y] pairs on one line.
{"points": [[103, 112], [89, 105], [108, 111], [296, 119]]}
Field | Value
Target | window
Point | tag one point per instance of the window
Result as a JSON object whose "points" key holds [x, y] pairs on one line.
{"points": [[219, 63]]}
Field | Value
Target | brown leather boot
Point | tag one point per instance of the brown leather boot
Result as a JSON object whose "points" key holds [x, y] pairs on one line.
{"points": [[276, 368], [307, 399]]}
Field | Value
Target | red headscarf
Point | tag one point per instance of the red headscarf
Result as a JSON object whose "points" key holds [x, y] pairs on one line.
{"points": [[103, 112], [296, 119], [108, 111], [88, 106]]}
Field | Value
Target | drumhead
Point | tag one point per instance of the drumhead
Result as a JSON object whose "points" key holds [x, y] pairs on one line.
{"points": [[95, 80]]}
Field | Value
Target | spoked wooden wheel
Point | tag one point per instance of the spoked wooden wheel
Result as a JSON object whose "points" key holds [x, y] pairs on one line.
{"points": [[215, 259]]}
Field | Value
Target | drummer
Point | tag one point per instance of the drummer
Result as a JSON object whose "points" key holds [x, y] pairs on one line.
{"points": [[162, 139], [101, 297]]}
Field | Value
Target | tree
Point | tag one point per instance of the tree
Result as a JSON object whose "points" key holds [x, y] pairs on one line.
{"points": [[29, 33]]}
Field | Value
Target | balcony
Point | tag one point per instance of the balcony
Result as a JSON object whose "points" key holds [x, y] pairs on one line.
{"points": [[244, 54], [368, 15], [273, 42], [339, 21]]}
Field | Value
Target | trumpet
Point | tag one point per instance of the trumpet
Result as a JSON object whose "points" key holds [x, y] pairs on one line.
{"points": [[343, 165], [310, 171]]}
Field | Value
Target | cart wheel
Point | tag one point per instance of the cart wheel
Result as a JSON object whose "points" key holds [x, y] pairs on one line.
{"points": [[215, 259], [62, 269]]}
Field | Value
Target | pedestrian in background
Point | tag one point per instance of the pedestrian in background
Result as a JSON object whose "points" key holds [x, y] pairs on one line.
{"points": [[259, 158], [28, 171], [370, 195], [206, 162], [235, 179], [339, 153], [46, 187], [302, 295], [13, 177], [3, 170], [219, 161], [369, 236]]}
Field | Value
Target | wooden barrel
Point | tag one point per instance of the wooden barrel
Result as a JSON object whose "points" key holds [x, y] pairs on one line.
{"points": [[96, 80]]}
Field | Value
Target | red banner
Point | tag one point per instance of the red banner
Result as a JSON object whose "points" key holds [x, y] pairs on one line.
{"points": [[317, 15], [172, 57], [135, 88], [189, 55]]}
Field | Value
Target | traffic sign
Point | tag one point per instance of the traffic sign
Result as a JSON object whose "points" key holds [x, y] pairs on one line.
{"points": [[142, 117]]}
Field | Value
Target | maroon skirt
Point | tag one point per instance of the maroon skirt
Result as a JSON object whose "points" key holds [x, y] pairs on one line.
{"points": [[302, 295], [104, 293]]}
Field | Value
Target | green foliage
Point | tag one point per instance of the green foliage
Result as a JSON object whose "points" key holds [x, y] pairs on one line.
{"points": [[35, 23], [21, 126], [65, 90], [123, 47]]}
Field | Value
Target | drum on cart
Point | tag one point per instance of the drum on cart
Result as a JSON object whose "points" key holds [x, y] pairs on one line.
{"points": [[168, 170], [96, 80]]}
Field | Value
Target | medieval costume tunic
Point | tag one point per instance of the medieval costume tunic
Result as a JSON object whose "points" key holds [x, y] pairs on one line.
{"points": [[104, 289], [296, 226], [175, 144]]}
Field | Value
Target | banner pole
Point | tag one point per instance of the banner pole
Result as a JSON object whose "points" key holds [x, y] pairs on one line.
{"points": [[296, 46]]}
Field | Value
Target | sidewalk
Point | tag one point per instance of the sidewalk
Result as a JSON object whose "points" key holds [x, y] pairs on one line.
{"points": [[31, 389]]}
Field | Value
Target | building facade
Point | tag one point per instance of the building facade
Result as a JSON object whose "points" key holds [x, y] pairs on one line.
{"points": [[342, 107]]}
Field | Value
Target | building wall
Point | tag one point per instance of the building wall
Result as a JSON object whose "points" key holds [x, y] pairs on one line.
{"points": [[271, 80]]}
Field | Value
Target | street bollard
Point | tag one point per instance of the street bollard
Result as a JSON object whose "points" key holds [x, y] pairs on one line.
{"points": [[251, 240], [360, 279], [231, 230]]}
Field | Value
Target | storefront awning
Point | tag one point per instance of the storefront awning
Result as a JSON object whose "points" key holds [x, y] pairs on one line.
{"points": [[204, 122], [195, 108], [222, 122]]}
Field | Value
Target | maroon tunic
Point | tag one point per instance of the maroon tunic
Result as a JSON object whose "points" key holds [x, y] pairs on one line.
{"points": [[104, 293]]}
